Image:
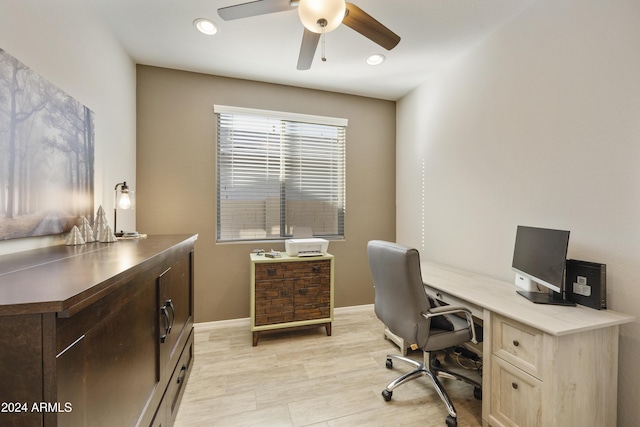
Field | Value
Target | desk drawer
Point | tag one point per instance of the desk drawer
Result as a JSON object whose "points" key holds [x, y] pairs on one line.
{"points": [[516, 397], [518, 344], [476, 310]]}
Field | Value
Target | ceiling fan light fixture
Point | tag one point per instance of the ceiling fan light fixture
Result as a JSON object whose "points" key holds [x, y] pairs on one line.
{"points": [[328, 12], [205, 26], [376, 59]]}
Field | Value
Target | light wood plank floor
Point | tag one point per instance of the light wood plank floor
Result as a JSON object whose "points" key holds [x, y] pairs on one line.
{"points": [[304, 378]]}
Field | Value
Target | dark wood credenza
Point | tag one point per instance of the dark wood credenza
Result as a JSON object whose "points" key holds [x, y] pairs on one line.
{"points": [[99, 334]]}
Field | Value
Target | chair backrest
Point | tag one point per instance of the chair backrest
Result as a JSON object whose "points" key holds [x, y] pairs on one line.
{"points": [[399, 292]]}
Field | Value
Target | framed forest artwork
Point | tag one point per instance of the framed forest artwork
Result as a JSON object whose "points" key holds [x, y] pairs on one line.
{"points": [[46, 155]]}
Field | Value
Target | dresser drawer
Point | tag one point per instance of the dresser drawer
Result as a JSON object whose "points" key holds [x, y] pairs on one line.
{"points": [[306, 269], [269, 270], [516, 397], [518, 344]]}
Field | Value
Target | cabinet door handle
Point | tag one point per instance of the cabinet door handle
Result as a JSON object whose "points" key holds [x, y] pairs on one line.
{"points": [[303, 291], [271, 271], [514, 385], [516, 343], [315, 269], [169, 304], [183, 372], [167, 326]]}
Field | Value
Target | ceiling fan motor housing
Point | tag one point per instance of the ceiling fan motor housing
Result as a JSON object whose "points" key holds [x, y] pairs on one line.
{"points": [[319, 15]]}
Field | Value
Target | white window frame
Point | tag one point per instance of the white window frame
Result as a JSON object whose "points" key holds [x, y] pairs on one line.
{"points": [[276, 171]]}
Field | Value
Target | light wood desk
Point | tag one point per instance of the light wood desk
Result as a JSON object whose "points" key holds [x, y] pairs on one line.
{"points": [[543, 365]]}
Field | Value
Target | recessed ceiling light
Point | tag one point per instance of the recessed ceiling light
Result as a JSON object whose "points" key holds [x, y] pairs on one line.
{"points": [[205, 26], [376, 59]]}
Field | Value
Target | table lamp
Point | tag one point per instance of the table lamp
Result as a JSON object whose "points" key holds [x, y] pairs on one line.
{"points": [[123, 200]]}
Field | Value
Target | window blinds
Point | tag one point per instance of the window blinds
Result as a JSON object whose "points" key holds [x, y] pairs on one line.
{"points": [[277, 171]]}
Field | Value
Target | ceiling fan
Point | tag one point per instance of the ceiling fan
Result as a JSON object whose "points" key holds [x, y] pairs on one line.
{"points": [[318, 18]]}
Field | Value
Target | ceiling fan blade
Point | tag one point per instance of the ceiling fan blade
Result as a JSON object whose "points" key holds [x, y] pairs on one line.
{"points": [[365, 24], [307, 49], [253, 8]]}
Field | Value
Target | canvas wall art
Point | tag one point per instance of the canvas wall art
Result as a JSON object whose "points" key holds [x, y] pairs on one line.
{"points": [[46, 155]]}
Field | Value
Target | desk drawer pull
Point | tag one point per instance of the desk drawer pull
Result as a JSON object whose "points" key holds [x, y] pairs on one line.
{"points": [[514, 385]]}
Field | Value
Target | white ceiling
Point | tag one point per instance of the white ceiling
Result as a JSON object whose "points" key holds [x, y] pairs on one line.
{"points": [[265, 48]]}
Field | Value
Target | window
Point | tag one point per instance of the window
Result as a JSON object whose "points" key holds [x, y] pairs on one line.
{"points": [[277, 171]]}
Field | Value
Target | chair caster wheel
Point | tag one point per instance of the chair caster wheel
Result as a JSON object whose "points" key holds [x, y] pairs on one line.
{"points": [[451, 421], [386, 395], [436, 363], [389, 364], [477, 393]]}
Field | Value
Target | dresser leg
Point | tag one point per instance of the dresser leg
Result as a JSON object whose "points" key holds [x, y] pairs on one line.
{"points": [[327, 326], [256, 336]]}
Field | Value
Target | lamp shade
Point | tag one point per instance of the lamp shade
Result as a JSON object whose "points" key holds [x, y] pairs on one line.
{"points": [[312, 11], [125, 200]]}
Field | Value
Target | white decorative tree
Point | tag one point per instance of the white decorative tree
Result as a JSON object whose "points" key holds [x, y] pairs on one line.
{"points": [[86, 231]]}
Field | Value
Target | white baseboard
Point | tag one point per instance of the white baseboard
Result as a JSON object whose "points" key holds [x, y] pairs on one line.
{"points": [[353, 308], [222, 323]]}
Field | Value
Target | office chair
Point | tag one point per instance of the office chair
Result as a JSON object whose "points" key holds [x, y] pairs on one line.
{"points": [[402, 304]]}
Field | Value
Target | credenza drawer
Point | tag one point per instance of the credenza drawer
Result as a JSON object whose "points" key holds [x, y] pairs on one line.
{"points": [[518, 344]]}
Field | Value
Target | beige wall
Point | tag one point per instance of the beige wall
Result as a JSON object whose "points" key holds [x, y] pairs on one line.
{"points": [[176, 178], [538, 125]]}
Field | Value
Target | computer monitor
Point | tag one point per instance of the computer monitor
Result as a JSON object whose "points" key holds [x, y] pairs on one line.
{"points": [[539, 258]]}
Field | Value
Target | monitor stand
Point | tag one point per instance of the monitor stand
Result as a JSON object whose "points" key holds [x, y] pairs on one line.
{"points": [[552, 298]]}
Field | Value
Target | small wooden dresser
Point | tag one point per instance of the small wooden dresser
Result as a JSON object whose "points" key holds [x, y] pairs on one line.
{"points": [[290, 291]]}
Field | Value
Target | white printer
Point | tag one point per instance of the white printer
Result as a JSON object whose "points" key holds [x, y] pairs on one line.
{"points": [[306, 247]]}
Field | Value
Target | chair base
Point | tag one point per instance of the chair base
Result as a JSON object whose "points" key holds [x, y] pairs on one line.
{"points": [[431, 370]]}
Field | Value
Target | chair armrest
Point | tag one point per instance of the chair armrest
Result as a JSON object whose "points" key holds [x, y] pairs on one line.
{"points": [[450, 309]]}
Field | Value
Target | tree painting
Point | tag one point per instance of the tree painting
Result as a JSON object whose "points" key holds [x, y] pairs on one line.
{"points": [[46, 155]]}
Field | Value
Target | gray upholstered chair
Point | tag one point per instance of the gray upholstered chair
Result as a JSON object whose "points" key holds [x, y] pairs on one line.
{"points": [[402, 304]]}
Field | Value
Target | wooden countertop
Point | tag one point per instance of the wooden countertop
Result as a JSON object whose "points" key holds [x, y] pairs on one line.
{"points": [[63, 279], [500, 297]]}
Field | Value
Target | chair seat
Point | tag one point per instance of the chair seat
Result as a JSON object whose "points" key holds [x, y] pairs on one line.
{"points": [[440, 339]]}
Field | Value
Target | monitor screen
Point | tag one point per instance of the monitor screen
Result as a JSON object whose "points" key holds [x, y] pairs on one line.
{"points": [[540, 255]]}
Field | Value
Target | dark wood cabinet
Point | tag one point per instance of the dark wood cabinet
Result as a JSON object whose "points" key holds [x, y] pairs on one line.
{"points": [[96, 335]]}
